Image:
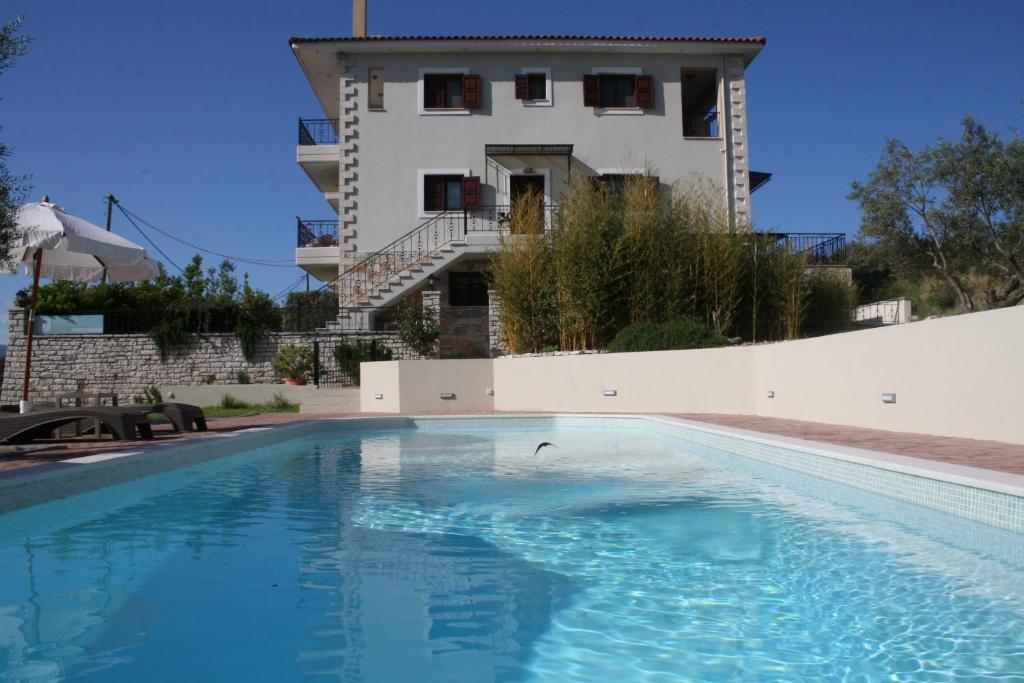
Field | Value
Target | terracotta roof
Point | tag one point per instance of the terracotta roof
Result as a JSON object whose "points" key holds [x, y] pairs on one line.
{"points": [[757, 40]]}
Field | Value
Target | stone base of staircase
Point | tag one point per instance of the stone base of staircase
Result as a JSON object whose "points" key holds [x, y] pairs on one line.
{"points": [[331, 401]]}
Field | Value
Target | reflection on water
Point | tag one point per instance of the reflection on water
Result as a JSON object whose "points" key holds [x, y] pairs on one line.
{"points": [[435, 555]]}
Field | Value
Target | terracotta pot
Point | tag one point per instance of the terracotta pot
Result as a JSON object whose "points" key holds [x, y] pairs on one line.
{"points": [[295, 382]]}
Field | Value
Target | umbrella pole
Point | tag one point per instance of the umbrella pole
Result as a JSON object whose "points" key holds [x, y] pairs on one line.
{"points": [[38, 259]]}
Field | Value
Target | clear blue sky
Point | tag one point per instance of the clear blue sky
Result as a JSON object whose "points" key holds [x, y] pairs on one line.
{"points": [[187, 110]]}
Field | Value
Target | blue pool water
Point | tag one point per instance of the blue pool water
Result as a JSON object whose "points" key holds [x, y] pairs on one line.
{"points": [[443, 555]]}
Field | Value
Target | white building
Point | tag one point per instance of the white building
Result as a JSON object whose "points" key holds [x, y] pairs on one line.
{"points": [[427, 140]]}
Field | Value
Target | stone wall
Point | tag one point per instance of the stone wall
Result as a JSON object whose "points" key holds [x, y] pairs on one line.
{"points": [[129, 363]]}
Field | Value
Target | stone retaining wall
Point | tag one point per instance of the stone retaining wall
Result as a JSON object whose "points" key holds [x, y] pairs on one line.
{"points": [[129, 363]]}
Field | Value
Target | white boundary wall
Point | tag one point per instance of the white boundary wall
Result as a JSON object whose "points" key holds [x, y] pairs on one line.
{"points": [[959, 376]]}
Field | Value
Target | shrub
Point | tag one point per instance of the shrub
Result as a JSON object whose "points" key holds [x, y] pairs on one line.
{"points": [[242, 377], [257, 315], [152, 394], [682, 333], [229, 402], [279, 402], [171, 333], [349, 356], [305, 311], [417, 330], [293, 362]]}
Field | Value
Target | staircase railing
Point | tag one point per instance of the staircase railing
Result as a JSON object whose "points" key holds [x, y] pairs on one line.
{"points": [[418, 246]]}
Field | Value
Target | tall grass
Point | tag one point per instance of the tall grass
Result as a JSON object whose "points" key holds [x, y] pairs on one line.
{"points": [[524, 279], [640, 254]]}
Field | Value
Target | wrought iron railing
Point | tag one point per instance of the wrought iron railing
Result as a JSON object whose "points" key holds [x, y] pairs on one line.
{"points": [[317, 233], [498, 218], [318, 131], [417, 247], [821, 248]]}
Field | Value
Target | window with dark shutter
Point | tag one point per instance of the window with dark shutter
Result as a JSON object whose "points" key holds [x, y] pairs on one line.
{"points": [[591, 91], [442, 192], [471, 95], [522, 87], [471, 192], [443, 91], [644, 92]]}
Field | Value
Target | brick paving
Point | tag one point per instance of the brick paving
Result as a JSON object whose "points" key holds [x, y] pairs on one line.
{"points": [[991, 455]]}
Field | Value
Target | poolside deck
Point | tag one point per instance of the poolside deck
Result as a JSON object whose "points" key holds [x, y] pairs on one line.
{"points": [[990, 455]]}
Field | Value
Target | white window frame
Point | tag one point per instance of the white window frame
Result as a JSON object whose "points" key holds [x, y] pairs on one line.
{"points": [[423, 111], [506, 182], [615, 70], [421, 175], [548, 101]]}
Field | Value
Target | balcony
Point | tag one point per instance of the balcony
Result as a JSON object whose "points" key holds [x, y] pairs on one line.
{"points": [[318, 132], [821, 248], [319, 152], [316, 249]]}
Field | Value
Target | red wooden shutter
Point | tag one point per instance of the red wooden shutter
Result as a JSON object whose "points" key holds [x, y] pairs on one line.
{"points": [[470, 192], [522, 87], [645, 92], [591, 91], [433, 193], [471, 92]]}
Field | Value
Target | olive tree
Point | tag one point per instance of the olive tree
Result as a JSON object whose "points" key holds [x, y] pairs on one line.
{"points": [[956, 208], [12, 187]]}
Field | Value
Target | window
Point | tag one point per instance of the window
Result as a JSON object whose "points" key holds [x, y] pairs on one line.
{"points": [[618, 88], [453, 90], [375, 89], [467, 289], [442, 91], [700, 103], [442, 192], [616, 180], [531, 86], [448, 190]]}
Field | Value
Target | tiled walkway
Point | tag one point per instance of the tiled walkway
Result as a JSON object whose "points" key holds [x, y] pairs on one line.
{"points": [[991, 455], [985, 454]]}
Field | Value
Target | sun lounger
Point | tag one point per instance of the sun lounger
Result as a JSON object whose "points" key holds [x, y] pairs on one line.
{"points": [[183, 417], [122, 423]]}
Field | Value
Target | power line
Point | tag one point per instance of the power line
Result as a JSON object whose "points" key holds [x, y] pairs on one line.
{"points": [[141, 232], [289, 288], [270, 263]]}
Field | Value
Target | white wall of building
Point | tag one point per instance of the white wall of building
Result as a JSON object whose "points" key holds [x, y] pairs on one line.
{"points": [[391, 145]]}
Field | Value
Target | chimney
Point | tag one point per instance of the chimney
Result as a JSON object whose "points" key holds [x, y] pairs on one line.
{"points": [[358, 18]]}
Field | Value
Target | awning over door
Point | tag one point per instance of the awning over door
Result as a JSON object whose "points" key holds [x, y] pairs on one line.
{"points": [[528, 150]]}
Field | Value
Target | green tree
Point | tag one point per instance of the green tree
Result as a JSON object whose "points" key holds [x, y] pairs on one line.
{"points": [[12, 187], [957, 208]]}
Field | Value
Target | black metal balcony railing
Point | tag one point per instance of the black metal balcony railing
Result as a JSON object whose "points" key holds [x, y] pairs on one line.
{"points": [[498, 219], [821, 248], [317, 233], [318, 131]]}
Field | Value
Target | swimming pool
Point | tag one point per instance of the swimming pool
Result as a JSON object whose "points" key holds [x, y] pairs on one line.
{"points": [[447, 551]]}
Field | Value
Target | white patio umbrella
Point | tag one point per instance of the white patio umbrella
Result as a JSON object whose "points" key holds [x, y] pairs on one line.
{"points": [[57, 245]]}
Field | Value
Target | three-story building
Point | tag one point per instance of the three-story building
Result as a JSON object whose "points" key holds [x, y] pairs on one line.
{"points": [[428, 140]]}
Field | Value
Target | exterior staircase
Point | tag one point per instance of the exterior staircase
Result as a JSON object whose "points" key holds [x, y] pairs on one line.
{"points": [[380, 279]]}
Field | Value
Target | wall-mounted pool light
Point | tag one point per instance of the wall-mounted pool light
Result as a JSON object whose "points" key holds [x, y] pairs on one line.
{"points": [[771, 393], [611, 392], [447, 396], [378, 397], [888, 398], [490, 392]]}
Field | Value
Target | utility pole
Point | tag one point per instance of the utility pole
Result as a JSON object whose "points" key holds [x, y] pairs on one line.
{"points": [[110, 200]]}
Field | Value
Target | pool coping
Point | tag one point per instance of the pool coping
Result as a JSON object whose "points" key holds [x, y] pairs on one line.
{"points": [[24, 487]]}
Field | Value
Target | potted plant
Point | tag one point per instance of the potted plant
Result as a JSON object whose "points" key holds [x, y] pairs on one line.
{"points": [[293, 363]]}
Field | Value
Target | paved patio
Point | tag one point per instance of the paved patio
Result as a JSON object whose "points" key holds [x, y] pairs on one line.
{"points": [[991, 455]]}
